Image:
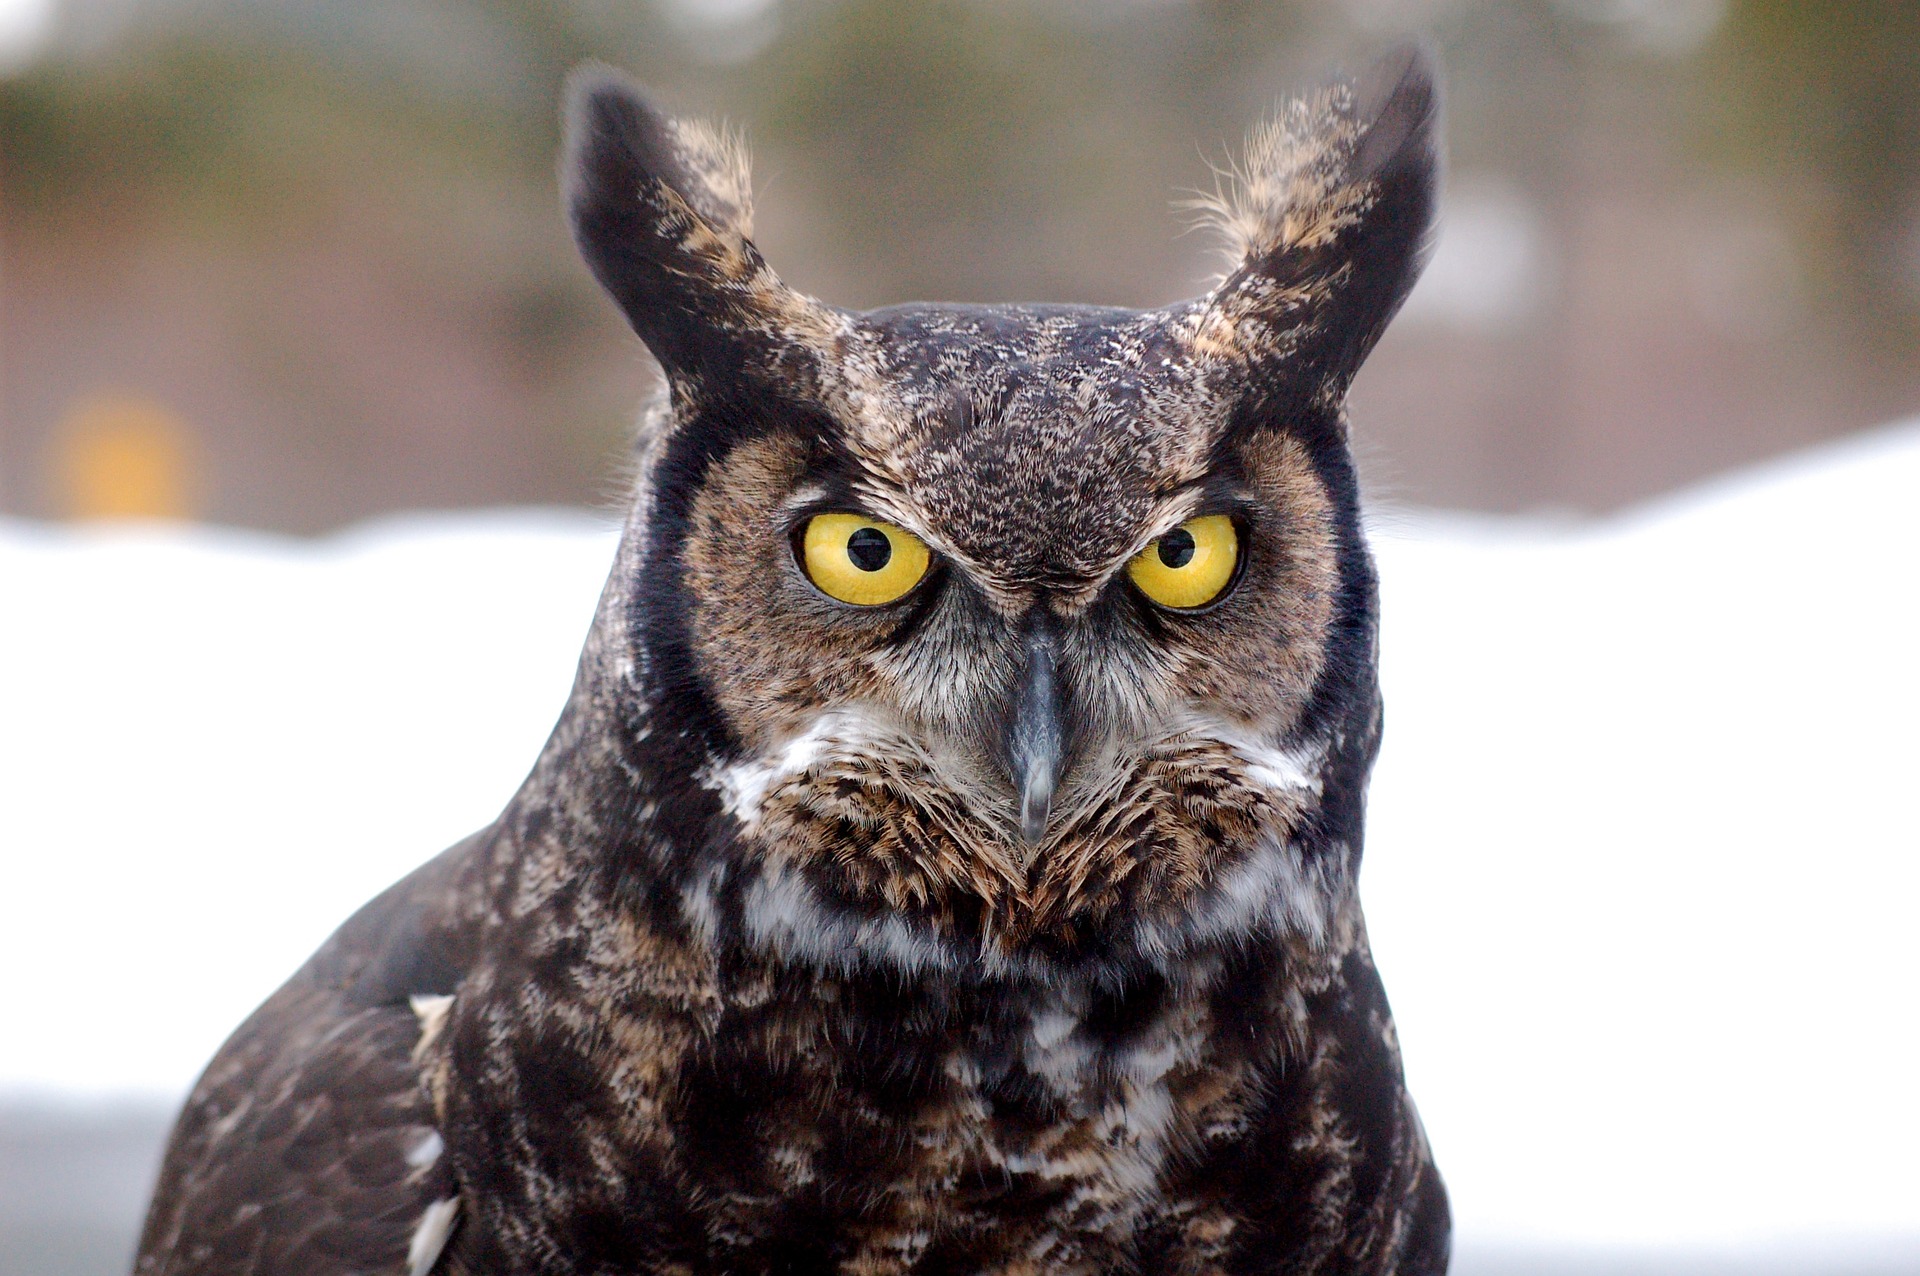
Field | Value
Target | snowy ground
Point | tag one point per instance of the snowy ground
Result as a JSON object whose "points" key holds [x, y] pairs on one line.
{"points": [[1642, 874]]}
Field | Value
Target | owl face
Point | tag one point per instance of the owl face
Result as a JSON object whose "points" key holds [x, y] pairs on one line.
{"points": [[1011, 634]]}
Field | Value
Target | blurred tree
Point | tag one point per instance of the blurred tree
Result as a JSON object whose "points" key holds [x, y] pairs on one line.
{"points": [[326, 234], [1825, 100]]}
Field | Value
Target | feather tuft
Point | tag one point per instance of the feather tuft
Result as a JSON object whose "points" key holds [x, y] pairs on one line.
{"points": [[715, 157], [1291, 186]]}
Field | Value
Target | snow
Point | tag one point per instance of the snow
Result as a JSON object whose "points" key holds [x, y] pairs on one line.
{"points": [[1641, 872], [1642, 864], [215, 746], [25, 28]]}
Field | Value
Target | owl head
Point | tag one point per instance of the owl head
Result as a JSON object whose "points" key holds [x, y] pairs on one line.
{"points": [[984, 637]]}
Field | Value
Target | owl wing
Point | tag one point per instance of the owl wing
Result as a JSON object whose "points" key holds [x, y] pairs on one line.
{"points": [[308, 1144]]}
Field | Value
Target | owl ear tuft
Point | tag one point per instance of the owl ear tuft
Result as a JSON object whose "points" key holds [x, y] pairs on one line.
{"points": [[662, 211], [1329, 217]]}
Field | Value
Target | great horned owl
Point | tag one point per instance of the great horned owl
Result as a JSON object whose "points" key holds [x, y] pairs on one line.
{"points": [[946, 860]]}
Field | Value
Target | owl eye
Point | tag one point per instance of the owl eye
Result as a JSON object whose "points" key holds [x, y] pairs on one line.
{"points": [[1191, 565], [860, 560]]}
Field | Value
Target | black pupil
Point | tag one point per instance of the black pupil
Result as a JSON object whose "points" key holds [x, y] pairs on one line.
{"points": [[1176, 547], [870, 549]]}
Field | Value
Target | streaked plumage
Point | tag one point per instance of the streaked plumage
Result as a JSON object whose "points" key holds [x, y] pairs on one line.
{"points": [[1000, 920]]}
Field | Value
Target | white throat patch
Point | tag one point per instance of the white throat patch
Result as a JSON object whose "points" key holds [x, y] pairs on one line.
{"points": [[1278, 888]]}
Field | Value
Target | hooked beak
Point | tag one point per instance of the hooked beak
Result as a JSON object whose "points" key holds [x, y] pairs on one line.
{"points": [[1036, 740]]}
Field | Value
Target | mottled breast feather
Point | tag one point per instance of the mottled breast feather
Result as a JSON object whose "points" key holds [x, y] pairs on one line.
{"points": [[1002, 922]]}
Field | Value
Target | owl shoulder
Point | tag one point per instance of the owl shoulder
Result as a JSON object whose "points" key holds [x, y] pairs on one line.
{"points": [[309, 1140]]}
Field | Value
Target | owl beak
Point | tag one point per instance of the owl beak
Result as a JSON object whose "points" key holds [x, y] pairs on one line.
{"points": [[1035, 738]]}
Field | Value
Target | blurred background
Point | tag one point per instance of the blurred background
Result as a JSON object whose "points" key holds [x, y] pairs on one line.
{"points": [[290, 265]]}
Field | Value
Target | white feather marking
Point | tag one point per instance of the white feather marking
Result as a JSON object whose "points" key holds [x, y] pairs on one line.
{"points": [[743, 786], [1120, 1168], [430, 1236], [1273, 888], [786, 915], [1276, 887], [427, 1150], [1287, 772], [1051, 1026], [699, 903], [1055, 1051], [431, 1010], [1283, 771]]}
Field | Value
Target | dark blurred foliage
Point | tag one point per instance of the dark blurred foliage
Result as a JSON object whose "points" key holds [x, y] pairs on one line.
{"points": [[322, 236], [1825, 100]]}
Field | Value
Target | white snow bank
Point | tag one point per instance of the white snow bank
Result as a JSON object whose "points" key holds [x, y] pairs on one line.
{"points": [[1641, 875], [1643, 864], [215, 745]]}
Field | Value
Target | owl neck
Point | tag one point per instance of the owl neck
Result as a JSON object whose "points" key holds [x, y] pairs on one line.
{"points": [[615, 812]]}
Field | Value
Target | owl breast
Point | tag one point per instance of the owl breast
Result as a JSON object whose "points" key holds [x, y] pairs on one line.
{"points": [[819, 1123]]}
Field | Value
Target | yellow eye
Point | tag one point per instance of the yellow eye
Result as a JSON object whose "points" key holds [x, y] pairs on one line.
{"points": [[1190, 565], [860, 560]]}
